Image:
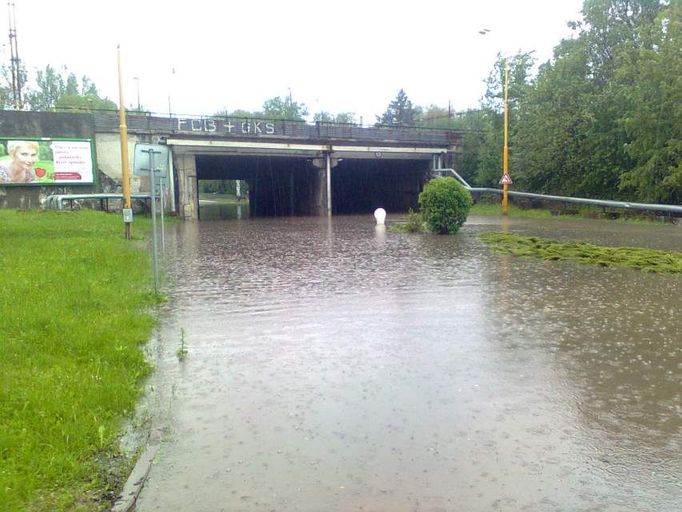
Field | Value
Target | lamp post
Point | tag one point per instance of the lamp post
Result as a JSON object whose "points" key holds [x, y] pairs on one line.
{"points": [[137, 81], [125, 170], [506, 179]]}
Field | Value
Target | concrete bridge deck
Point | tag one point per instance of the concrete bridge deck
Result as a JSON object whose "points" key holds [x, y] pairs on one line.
{"points": [[291, 167]]}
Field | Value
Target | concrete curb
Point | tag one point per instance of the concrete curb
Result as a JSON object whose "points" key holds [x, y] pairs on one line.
{"points": [[127, 500]]}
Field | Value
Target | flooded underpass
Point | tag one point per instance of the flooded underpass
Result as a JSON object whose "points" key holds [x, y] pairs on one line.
{"points": [[335, 366]]}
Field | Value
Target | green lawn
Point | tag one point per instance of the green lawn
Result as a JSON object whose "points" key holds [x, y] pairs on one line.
{"points": [[75, 302]]}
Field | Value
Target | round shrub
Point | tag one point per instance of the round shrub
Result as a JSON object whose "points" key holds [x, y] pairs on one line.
{"points": [[445, 204]]}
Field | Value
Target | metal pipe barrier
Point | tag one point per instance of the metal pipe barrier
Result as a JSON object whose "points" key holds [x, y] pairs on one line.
{"points": [[56, 201], [669, 208]]}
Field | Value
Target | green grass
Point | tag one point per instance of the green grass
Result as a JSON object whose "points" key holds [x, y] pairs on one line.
{"points": [[587, 212], [74, 310], [488, 209], [646, 260]]}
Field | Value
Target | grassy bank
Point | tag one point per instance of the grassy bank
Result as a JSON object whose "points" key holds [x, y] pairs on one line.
{"points": [[586, 212], [637, 258], [74, 298]]}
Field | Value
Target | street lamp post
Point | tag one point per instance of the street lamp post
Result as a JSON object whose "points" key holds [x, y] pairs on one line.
{"points": [[506, 180], [137, 81]]}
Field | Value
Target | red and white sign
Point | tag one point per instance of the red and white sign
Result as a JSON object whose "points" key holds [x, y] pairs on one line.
{"points": [[506, 179]]}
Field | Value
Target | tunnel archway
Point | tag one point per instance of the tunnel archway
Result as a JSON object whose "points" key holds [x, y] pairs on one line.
{"points": [[296, 185]]}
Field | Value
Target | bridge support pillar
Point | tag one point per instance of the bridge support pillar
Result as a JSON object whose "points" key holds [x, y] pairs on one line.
{"points": [[186, 171], [329, 184]]}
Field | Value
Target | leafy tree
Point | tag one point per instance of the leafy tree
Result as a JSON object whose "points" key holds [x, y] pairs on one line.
{"points": [[6, 94], [284, 108], [436, 117], [345, 118], [86, 102], [476, 125], [50, 86], [655, 121], [400, 112], [63, 91], [323, 117], [341, 118]]}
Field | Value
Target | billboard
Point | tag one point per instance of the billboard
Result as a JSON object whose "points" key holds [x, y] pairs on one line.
{"points": [[25, 161]]}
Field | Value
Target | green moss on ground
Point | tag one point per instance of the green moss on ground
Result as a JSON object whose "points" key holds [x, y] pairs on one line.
{"points": [[638, 258]]}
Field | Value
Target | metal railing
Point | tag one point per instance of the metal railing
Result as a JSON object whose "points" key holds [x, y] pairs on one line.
{"points": [[604, 203], [56, 201]]}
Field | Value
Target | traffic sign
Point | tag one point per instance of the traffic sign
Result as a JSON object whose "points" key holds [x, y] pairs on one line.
{"points": [[154, 154], [506, 179]]}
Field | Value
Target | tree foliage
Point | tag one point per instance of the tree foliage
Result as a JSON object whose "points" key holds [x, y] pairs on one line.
{"points": [[284, 108], [340, 118], [400, 112], [61, 90], [602, 119]]}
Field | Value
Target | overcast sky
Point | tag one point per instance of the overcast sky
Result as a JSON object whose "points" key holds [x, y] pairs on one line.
{"points": [[350, 56]]}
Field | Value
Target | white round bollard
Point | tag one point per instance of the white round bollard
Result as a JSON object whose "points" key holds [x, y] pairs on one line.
{"points": [[380, 216]]}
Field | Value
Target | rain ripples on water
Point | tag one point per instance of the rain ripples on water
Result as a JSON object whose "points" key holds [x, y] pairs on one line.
{"points": [[334, 365]]}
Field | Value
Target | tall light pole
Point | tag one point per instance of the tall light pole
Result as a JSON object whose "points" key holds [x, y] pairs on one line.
{"points": [[137, 80], [506, 179], [125, 170]]}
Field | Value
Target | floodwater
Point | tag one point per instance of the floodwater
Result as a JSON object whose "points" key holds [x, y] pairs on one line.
{"points": [[335, 366]]}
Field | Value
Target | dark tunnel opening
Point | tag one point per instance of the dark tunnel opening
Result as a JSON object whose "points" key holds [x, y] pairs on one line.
{"points": [[287, 186]]}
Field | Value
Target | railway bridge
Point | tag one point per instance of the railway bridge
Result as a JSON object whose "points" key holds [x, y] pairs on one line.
{"points": [[291, 167]]}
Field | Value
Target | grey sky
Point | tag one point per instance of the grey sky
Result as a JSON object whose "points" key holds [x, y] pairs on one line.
{"points": [[334, 56]]}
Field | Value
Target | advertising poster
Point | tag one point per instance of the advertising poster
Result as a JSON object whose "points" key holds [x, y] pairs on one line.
{"points": [[45, 161]]}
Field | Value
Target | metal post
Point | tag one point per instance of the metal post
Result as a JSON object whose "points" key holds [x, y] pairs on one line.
{"points": [[329, 184], [161, 195], [153, 198], [505, 156], [291, 193], [123, 129]]}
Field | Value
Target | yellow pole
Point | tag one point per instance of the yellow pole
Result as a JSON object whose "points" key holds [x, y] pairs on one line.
{"points": [[123, 129], [505, 155]]}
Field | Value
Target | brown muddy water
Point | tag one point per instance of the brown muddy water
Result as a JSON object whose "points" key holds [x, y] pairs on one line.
{"points": [[336, 366]]}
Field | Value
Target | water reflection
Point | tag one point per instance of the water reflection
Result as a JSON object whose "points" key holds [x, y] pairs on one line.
{"points": [[213, 210], [334, 366]]}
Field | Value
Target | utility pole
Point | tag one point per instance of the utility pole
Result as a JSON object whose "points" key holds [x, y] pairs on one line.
{"points": [[14, 58], [125, 169], [137, 80], [506, 179]]}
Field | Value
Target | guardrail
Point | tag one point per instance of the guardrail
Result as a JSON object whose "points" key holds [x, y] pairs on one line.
{"points": [[56, 201], [605, 203]]}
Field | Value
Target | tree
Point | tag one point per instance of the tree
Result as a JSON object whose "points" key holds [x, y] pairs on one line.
{"points": [[341, 118], [87, 102], [400, 112], [284, 108], [436, 117], [323, 117], [63, 91], [655, 122], [345, 118], [50, 86]]}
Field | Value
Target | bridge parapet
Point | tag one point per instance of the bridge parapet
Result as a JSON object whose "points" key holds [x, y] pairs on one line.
{"points": [[250, 128]]}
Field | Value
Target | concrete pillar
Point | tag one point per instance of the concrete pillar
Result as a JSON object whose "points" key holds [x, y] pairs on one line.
{"points": [[329, 184], [186, 171]]}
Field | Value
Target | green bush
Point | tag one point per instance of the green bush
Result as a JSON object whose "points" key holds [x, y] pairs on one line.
{"points": [[414, 223], [445, 204]]}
